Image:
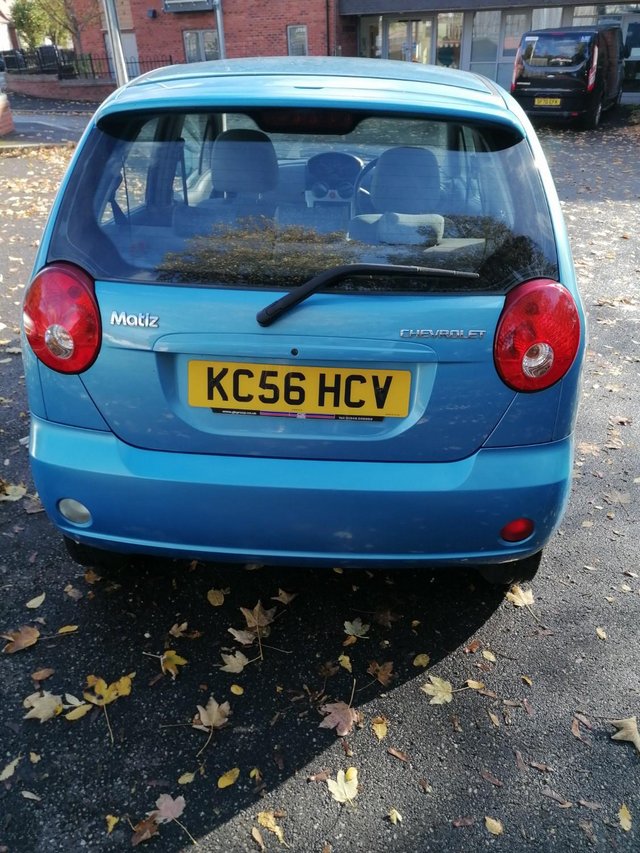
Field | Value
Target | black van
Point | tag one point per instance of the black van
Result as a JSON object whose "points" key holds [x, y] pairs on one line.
{"points": [[569, 73]]}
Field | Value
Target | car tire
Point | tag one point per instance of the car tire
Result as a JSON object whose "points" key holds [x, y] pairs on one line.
{"points": [[86, 555], [504, 574]]}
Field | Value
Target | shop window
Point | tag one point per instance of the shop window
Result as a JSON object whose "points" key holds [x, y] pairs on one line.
{"points": [[585, 16], [449, 37], [514, 25], [545, 18], [297, 40], [371, 37], [486, 34]]}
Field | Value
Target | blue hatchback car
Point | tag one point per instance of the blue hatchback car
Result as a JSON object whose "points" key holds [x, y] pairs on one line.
{"points": [[306, 311]]}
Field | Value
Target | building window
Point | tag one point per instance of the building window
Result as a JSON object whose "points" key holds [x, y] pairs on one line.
{"points": [[297, 40], [200, 45], [371, 37], [545, 18], [585, 16], [449, 39], [515, 24], [486, 34]]}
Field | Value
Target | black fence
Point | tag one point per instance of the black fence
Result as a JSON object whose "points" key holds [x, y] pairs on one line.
{"points": [[68, 65]]}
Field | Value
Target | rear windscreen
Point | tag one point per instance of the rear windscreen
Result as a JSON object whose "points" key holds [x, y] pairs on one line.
{"points": [[271, 198], [556, 50]]}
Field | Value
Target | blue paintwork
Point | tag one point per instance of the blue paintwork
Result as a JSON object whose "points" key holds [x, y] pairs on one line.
{"points": [[161, 477]]}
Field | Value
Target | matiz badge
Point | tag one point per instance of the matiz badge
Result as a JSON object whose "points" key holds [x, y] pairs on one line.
{"points": [[121, 318]]}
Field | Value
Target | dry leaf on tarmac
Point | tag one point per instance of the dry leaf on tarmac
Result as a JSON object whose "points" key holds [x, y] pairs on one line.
{"points": [[43, 706], [441, 691], [233, 663], [24, 637], [143, 831], [624, 816], [627, 730], [339, 716], [111, 820], [42, 674], [345, 662], [10, 492], [214, 716], [284, 597], [268, 821], [421, 660], [257, 837], [103, 693], [520, 597], [36, 602], [601, 633], [380, 727], [494, 826], [215, 597], [258, 617], [345, 788], [395, 817], [10, 769], [167, 808], [229, 778], [245, 638], [383, 672], [170, 661], [356, 628]]}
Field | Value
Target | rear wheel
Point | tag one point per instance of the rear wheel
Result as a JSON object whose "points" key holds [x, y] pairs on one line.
{"points": [[504, 574]]}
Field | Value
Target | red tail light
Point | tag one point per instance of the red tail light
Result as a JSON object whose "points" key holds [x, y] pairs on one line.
{"points": [[518, 67], [591, 80], [61, 318], [538, 335]]}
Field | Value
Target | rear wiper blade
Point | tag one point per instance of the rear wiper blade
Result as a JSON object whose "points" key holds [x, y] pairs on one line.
{"points": [[267, 315]]}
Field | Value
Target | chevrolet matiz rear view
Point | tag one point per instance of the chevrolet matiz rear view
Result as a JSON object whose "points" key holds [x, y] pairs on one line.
{"points": [[310, 312]]}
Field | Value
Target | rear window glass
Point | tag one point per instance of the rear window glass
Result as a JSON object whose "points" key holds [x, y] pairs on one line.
{"points": [[556, 50], [274, 197]]}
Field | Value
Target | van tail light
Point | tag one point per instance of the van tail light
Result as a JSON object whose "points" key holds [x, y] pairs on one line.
{"points": [[591, 80], [538, 335], [518, 67], [61, 318]]}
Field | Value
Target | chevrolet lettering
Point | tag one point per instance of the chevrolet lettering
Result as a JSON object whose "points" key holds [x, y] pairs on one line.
{"points": [[287, 218]]}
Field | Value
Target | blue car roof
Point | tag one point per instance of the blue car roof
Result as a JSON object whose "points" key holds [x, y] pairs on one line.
{"points": [[313, 81]]}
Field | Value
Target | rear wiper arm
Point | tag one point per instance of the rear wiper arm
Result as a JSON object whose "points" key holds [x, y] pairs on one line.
{"points": [[267, 315]]}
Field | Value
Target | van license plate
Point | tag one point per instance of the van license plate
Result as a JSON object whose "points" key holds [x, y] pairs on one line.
{"points": [[299, 390], [547, 102]]}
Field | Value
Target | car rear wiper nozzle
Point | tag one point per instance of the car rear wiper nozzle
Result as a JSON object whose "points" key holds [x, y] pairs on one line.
{"points": [[267, 315]]}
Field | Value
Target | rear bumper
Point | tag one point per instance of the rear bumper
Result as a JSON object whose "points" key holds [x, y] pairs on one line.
{"points": [[572, 106], [302, 512]]}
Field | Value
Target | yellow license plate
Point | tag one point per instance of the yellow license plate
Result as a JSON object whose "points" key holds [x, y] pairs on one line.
{"points": [[547, 102], [299, 391]]}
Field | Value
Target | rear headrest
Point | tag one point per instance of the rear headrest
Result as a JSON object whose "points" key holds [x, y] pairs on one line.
{"points": [[244, 160], [406, 180]]}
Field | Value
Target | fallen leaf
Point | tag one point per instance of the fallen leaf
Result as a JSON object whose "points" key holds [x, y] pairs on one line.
{"points": [[520, 597], [345, 662], [29, 795], [345, 788], [215, 597], [475, 685], [441, 691], [627, 730], [284, 597], [214, 716], [78, 712], [34, 758], [103, 693], [624, 816], [258, 617], [24, 637], [397, 753], [42, 674], [602, 634], [10, 769], [356, 628], [36, 602], [339, 716], [43, 706], [236, 689], [488, 655], [558, 798], [67, 629], [229, 778], [267, 819], [489, 777], [233, 663], [245, 638], [186, 778], [494, 826], [144, 830], [379, 726], [10, 492], [167, 808], [111, 820], [257, 837], [472, 648], [394, 816], [178, 630], [494, 719], [72, 592], [422, 660], [382, 672], [463, 822], [322, 776], [170, 661]]}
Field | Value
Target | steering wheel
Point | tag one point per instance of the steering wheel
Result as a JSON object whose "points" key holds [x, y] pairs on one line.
{"points": [[361, 195]]}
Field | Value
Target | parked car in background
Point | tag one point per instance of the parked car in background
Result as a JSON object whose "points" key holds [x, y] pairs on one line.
{"points": [[308, 311], [572, 73]]}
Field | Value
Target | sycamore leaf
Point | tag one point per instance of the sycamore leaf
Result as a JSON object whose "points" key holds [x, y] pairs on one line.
{"points": [[78, 711], [233, 663], [345, 662], [229, 778], [258, 617], [36, 602], [422, 660], [245, 638], [627, 730], [167, 808], [268, 820], [111, 820], [339, 716], [441, 691], [214, 716], [10, 769], [356, 628], [284, 597], [520, 597], [178, 630], [383, 672], [494, 826], [345, 788], [395, 817], [624, 816], [380, 727], [103, 693], [170, 661], [43, 706], [144, 830], [24, 637], [91, 577]]}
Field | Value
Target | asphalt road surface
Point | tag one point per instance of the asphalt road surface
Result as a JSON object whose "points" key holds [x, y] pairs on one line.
{"points": [[526, 763]]}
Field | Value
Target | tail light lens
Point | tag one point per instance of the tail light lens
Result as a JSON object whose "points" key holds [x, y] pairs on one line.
{"points": [[61, 318], [591, 80], [518, 67], [538, 335]]}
